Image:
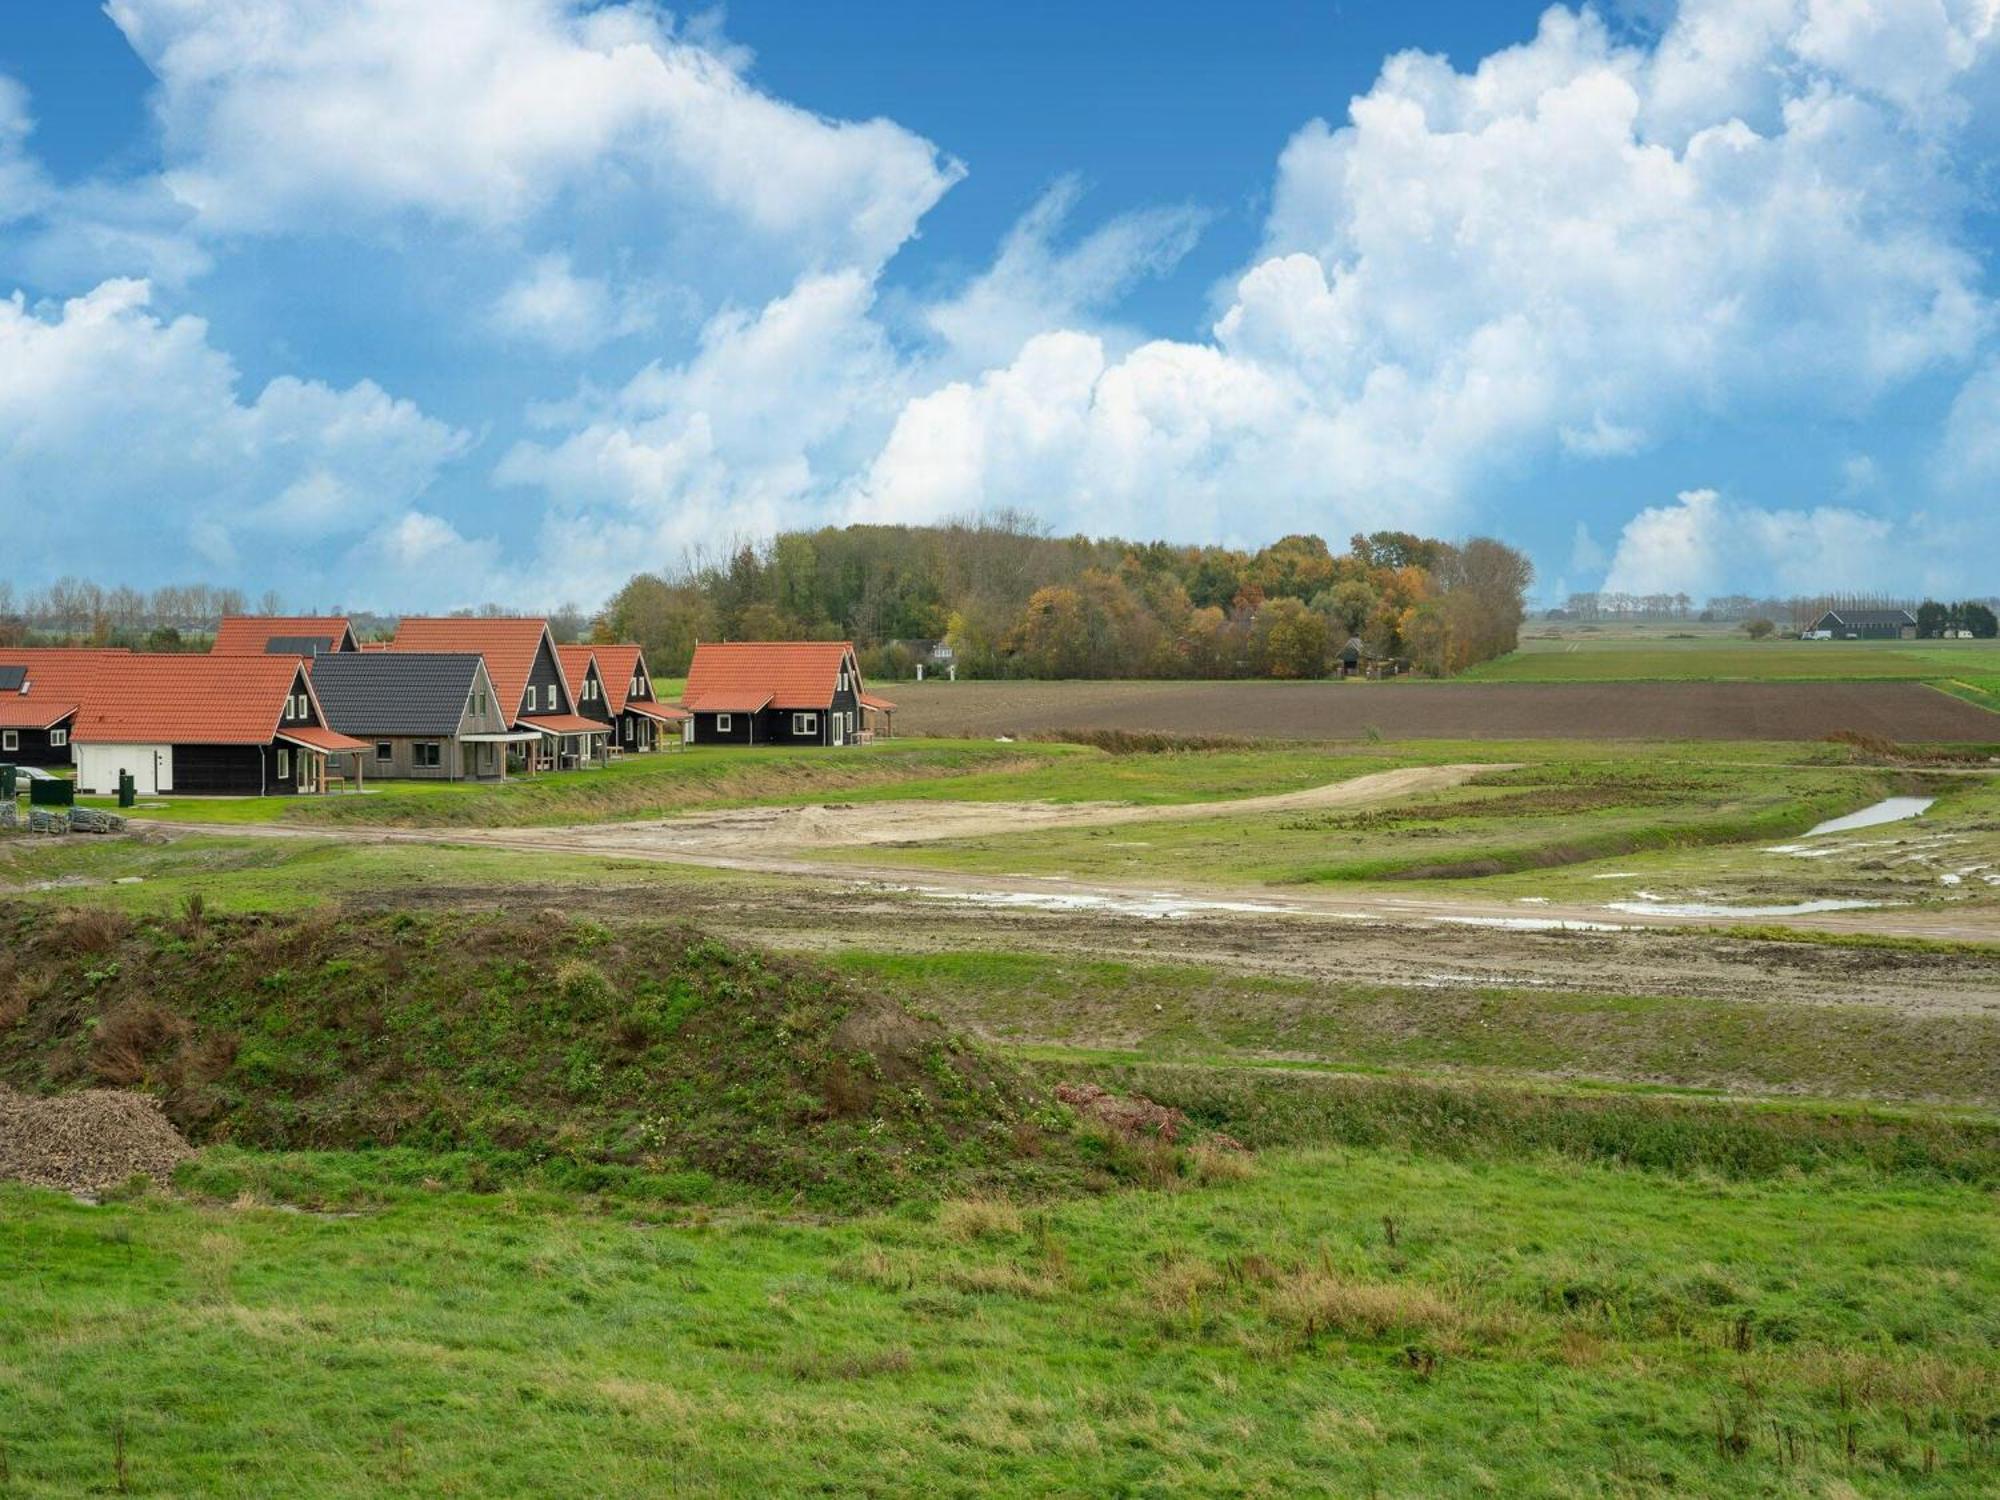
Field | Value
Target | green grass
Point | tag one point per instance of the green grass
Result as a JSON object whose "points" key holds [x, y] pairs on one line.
{"points": [[1708, 657], [1558, 811], [1346, 1322], [521, 1037], [1188, 1012], [238, 874]]}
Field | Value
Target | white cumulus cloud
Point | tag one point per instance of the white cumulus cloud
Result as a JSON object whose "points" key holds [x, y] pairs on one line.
{"points": [[1485, 266], [487, 113], [106, 409], [1703, 544]]}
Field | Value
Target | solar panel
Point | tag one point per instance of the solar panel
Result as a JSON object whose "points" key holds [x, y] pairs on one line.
{"points": [[12, 679], [298, 645]]}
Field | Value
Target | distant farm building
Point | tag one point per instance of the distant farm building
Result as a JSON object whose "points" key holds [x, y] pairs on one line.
{"points": [[1864, 625]]}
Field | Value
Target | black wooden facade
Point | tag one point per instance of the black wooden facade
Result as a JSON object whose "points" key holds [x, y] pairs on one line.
{"points": [[42, 748]]}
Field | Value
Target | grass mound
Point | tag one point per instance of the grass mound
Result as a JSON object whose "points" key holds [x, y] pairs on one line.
{"points": [[534, 1039]]}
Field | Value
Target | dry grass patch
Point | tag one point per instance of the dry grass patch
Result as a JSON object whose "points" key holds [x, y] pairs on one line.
{"points": [[999, 1279], [979, 1218], [1213, 1165], [1317, 1301]]}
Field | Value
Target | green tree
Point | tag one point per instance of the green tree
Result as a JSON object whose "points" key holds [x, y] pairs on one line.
{"points": [[1290, 640]]}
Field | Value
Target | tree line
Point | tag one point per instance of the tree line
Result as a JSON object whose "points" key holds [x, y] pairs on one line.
{"points": [[1799, 610], [1006, 599]]}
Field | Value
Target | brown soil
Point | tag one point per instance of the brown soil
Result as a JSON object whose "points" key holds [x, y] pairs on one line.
{"points": [[86, 1142], [1901, 711]]}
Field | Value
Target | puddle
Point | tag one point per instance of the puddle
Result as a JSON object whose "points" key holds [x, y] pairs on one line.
{"points": [[1538, 924], [1712, 909], [1150, 906], [1888, 810]]}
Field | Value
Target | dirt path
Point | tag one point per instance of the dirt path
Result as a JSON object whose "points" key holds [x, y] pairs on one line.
{"points": [[760, 831]]}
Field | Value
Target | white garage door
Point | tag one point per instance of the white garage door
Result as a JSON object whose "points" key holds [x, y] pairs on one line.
{"points": [[97, 768]]}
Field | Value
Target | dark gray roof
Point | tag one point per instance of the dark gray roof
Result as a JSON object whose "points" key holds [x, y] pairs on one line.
{"points": [[394, 692], [11, 679], [1859, 617], [299, 645]]}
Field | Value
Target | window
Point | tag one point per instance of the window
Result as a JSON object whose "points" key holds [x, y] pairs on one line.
{"points": [[284, 765], [628, 731], [10, 739], [301, 707], [722, 723], [805, 723], [58, 738], [384, 751], [427, 755], [638, 688]]}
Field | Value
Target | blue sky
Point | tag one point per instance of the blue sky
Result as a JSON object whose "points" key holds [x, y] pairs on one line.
{"points": [[402, 306]]}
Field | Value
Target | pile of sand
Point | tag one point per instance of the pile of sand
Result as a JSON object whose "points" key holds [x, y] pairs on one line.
{"points": [[85, 1142]]}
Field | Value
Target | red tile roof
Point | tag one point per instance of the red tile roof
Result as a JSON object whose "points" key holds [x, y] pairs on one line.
{"points": [[617, 665], [188, 700], [565, 724], [729, 677], [29, 711], [58, 681], [869, 700], [321, 739], [509, 646], [251, 634], [666, 713], [576, 662]]}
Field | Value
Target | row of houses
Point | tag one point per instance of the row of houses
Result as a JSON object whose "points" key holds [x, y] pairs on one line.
{"points": [[292, 705]]}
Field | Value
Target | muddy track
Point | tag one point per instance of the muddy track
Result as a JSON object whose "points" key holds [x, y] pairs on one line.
{"points": [[828, 916]]}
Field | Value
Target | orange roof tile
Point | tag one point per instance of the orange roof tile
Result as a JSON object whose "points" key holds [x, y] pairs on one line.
{"points": [[331, 740], [666, 713], [252, 634], [58, 680], [869, 700], [575, 661], [508, 644], [188, 700], [24, 711], [616, 665], [565, 724], [729, 676]]}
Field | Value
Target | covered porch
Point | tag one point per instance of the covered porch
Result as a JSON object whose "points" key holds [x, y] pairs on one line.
{"points": [[569, 742], [313, 767], [489, 757]]}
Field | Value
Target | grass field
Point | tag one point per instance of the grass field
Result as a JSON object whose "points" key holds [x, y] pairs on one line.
{"points": [[1348, 1321], [1579, 653], [624, 1206]]}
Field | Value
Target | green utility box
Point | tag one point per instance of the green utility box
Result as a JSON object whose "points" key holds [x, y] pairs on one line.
{"points": [[57, 793], [128, 789], [7, 779]]}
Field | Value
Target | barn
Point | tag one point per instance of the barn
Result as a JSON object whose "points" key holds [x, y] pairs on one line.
{"points": [[1865, 625]]}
